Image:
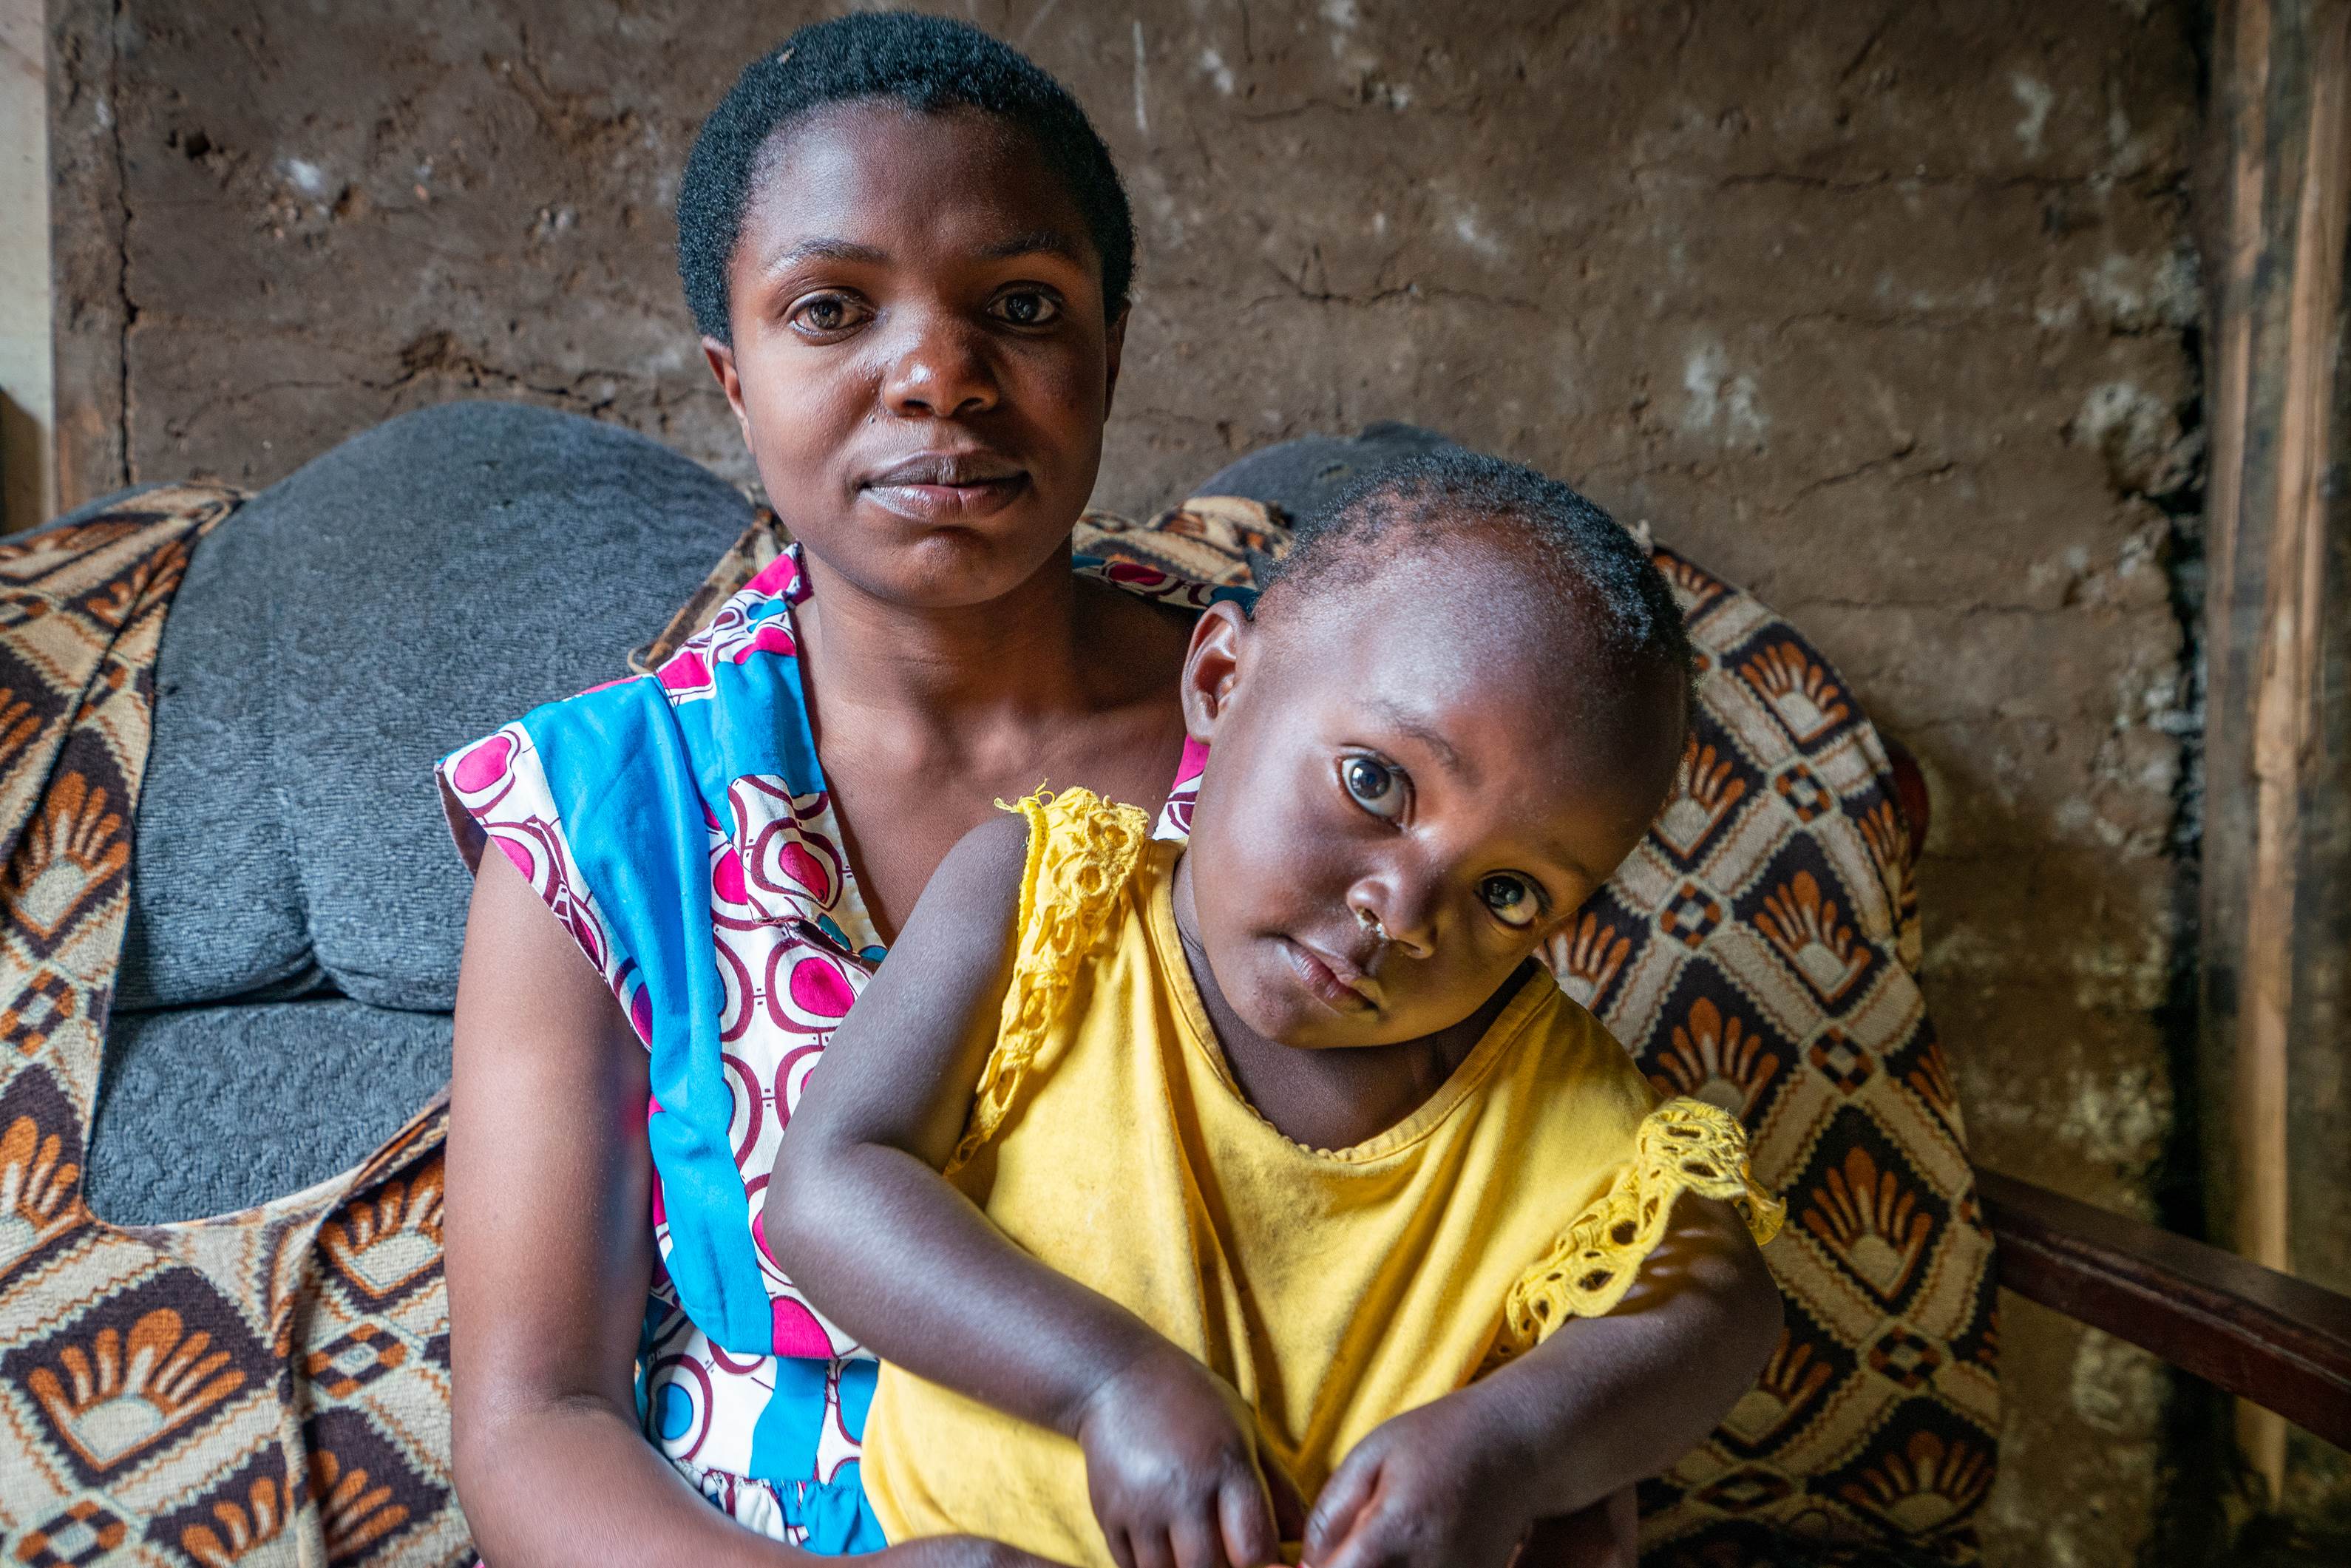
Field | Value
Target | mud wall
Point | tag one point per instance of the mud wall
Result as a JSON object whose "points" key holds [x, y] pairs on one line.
{"points": [[1887, 310]]}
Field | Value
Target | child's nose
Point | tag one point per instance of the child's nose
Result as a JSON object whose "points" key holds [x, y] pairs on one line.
{"points": [[941, 371], [1404, 908]]}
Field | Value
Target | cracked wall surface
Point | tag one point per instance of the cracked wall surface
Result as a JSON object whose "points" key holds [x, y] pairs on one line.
{"points": [[1886, 312]]}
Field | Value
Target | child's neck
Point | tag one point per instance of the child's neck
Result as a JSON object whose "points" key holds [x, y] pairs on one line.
{"points": [[1335, 1098]]}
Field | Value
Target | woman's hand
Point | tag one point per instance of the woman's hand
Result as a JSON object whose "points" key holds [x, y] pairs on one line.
{"points": [[1432, 1488], [1174, 1472]]}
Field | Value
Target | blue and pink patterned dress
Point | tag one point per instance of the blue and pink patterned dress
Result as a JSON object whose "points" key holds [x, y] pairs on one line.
{"points": [[678, 825]]}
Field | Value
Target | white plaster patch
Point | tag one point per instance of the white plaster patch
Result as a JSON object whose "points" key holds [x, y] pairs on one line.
{"points": [[1141, 112], [1719, 400], [1342, 17], [1221, 73], [308, 177], [2117, 1119], [2136, 293], [1468, 229], [2124, 418], [2115, 1387], [2038, 101]]}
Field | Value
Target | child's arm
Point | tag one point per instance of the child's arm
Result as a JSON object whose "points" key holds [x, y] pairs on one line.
{"points": [[1601, 1404], [859, 1217]]}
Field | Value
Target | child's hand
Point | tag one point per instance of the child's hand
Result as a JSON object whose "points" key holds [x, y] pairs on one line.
{"points": [[1425, 1489], [1172, 1469]]}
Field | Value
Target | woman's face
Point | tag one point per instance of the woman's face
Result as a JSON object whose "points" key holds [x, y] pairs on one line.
{"points": [[921, 363]]}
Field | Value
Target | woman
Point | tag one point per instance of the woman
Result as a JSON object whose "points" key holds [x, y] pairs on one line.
{"points": [[909, 256]]}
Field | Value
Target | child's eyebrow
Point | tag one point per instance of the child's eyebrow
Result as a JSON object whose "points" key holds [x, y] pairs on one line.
{"points": [[1414, 727]]}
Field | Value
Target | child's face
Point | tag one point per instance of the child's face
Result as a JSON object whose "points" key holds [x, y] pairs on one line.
{"points": [[1420, 750], [921, 365]]}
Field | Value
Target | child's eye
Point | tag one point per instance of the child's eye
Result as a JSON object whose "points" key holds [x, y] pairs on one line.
{"points": [[1374, 784], [1513, 902], [1027, 307], [820, 314]]}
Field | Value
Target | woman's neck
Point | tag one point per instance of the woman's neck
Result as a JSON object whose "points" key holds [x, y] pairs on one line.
{"points": [[1011, 659]]}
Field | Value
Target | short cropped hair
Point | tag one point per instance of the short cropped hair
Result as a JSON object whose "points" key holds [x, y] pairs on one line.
{"points": [[1419, 503], [930, 64]]}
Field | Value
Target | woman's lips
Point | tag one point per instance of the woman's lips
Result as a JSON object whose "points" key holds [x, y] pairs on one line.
{"points": [[948, 503], [946, 488], [1322, 976]]}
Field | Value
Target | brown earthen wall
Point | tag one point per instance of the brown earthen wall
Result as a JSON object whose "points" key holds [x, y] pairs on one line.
{"points": [[1886, 311]]}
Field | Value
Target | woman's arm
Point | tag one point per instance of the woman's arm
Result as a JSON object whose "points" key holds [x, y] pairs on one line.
{"points": [[549, 1250], [1602, 1404], [861, 1217]]}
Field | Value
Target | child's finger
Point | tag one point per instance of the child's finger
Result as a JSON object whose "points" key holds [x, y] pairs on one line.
{"points": [[1368, 1544], [1197, 1541], [1344, 1496], [1151, 1547], [1289, 1508], [1245, 1512]]}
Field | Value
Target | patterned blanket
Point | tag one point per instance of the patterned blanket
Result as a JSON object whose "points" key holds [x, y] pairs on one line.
{"points": [[272, 1386], [269, 1387]]}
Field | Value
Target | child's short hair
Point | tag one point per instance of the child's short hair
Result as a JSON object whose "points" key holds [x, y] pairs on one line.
{"points": [[927, 63], [1419, 502]]}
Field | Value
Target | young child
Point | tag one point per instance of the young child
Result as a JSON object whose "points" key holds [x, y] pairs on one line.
{"points": [[1169, 1179]]}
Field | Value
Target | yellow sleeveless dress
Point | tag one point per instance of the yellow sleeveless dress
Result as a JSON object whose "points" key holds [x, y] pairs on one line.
{"points": [[1333, 1288]]}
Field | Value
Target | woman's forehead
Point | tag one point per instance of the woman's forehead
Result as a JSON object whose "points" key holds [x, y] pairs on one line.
{"points": [[874, 171]]}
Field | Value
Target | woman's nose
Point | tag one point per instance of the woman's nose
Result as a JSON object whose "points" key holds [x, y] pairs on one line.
{"points": [[940, 372]]}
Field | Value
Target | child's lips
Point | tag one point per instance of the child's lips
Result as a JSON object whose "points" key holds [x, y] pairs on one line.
{"points": [[1335, 981]]}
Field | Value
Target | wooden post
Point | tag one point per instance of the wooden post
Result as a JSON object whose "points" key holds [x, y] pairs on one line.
{"points": [[2274, 866], [28, 492]]}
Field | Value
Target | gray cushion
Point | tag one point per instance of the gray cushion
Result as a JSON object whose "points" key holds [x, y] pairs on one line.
{"points": [[410, 589], [209, 1110], [1300, 476], [216, 906]]}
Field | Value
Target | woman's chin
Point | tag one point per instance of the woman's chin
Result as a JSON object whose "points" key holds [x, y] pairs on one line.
{"points": [[943, 568]]}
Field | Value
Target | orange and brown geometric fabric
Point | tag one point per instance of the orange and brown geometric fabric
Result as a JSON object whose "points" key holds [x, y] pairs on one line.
{"points": [[1761, 950], [267, 1387]]}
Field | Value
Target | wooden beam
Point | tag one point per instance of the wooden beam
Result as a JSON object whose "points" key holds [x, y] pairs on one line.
{"points": [[28, 489], [2256, 1332], [2274, 866]]}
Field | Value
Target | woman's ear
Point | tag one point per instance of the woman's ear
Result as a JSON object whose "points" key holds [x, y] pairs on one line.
{"points": [[721, 358], [1212, 668], [1114, 349]]}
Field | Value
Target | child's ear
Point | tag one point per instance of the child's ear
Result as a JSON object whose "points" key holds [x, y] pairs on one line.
{"points": [[721, 358], [1212, 668]]}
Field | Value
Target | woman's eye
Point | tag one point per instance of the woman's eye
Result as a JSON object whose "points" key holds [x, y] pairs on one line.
{"points": [[1029, 307], [825, 313], [1374, 784], [1514, 903]]}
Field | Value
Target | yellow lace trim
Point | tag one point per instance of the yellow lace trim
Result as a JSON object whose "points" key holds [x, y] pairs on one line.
{"points": [[1683, 1146], [1081, 852]]}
